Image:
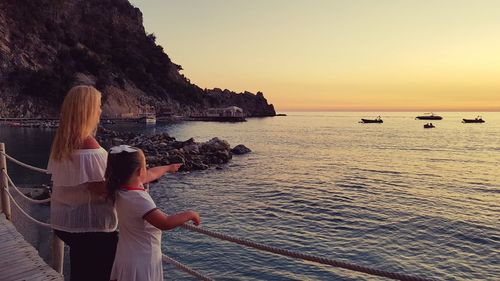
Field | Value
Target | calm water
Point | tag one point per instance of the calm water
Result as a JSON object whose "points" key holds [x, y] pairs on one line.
{"points": [[393, 196]]}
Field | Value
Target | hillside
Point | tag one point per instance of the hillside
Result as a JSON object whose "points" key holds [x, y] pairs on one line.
{"points": [[46, 46]]}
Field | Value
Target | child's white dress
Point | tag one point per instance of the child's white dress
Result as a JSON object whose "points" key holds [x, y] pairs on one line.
{"points": [[138, 255]]}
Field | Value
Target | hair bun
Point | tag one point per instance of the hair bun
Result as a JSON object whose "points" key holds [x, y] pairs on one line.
{"points": [[122, 148]]}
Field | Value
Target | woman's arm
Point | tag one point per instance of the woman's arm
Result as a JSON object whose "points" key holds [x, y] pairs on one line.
{"points": [[161, 221], [156, 172], [98, 187]]}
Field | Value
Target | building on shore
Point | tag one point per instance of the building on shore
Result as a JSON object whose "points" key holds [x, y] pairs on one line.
{"points": [[231, 111], [146, 117], [226, 114], [128, 115]]}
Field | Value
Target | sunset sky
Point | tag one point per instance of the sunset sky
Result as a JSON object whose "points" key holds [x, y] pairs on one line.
{"points": [[338, 55]]}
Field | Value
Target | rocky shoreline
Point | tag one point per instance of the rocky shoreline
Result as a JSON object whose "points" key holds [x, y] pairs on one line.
{"points": [[47, 46], [162, 149]]}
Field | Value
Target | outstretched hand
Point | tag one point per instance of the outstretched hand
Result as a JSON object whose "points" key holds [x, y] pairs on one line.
{"points": [[157, 172], [172, 168]]}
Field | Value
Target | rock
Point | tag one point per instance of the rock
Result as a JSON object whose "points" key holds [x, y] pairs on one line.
{"points": [[176, 159], [37, 192], [192, 149], [177, 144], [198, 165], [117, 141], [223, 156], [189, 142], [215, 144], [240, 149], [161, 149], [152, 159]]}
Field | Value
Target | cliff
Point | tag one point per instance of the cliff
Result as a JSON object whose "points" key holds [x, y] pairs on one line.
{"points": [[46, 46]]}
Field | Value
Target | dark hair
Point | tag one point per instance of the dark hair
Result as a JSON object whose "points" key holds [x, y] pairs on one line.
{"points": [[120, 168]]}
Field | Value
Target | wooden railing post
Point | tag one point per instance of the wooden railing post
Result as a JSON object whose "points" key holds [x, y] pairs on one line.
{"points": [[57, 253], [4, 184]]}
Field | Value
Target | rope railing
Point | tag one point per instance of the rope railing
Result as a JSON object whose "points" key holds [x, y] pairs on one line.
{"points": [[35, 201], [308, 257], [185, 268], [23, 164], [165, 258], [225, 237], [32, 219]]}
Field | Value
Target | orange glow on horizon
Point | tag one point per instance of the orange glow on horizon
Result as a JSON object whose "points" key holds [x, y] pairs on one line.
{"points": [[338, 55]]}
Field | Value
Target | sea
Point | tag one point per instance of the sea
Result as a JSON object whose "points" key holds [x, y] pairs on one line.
{"points": [[391, 196]]}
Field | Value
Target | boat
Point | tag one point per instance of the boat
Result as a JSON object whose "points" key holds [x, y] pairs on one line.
{"points": [[475, 120], [147, 119], [429, 116], [107, 121], [376, 120], [429, 126]]}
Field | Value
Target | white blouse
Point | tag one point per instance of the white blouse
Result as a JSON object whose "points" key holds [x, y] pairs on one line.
{"points": [[73, 207]]}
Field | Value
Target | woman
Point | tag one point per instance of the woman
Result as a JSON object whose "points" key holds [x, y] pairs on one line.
{"points": [[80, 214]]}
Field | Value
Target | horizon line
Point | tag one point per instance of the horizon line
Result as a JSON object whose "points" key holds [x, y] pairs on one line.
{"points": [[385, 110]]}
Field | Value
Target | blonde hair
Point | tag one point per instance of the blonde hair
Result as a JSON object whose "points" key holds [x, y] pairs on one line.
{"points": [[79, 118]]}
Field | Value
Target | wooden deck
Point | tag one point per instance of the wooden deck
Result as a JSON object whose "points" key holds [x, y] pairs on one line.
{"points": [[18, 259]]}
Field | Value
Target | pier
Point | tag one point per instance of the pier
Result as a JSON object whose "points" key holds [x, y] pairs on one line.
{"points": [[18, 259]]}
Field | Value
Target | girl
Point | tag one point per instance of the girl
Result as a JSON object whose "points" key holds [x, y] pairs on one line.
{"points": [[138, 255]]}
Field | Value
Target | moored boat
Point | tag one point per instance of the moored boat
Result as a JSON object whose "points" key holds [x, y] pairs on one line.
{"points": [[376, 120], [147, 119], [429, 126], [429, 116], [475, 120]]}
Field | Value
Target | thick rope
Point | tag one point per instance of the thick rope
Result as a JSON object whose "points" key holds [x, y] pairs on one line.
{"points": [[26, 214], [185, 268], [298, 255], [22, 194], [24, 164]]}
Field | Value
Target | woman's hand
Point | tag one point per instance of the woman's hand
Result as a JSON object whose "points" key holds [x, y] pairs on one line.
{"points": [[97, 188]]}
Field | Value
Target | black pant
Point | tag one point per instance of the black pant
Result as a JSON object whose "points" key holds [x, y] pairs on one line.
{"points": [[91, 254]]}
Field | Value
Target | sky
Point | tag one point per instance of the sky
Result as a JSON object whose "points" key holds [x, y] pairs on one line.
{"points": [[328, 55]]}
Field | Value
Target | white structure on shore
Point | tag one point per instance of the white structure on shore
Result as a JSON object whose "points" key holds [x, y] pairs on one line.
{"points": [[148, 118], [231, 111]]}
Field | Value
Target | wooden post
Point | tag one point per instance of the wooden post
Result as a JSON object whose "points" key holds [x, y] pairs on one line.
{"points": [[4, 184], [57, 253]]}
